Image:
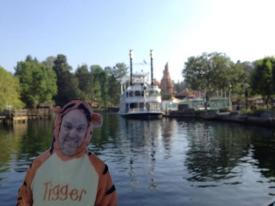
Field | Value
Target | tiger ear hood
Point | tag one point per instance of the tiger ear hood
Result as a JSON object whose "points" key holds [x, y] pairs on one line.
{"points": [[94, 121]]}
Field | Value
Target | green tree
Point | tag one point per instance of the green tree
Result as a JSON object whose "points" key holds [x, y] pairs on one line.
{"points": [[240, 76], [221, 68], [208, 72], [195, 72], [104, 88], [119, 70], [67, 83], [273, 78], [261, 80], [9, 90], [113, 86], [179, 86], [99, 80], [85, 82], [37, 82], [49, 62]]}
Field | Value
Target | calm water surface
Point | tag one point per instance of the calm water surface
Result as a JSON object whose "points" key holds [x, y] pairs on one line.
{"points": [[161, 162]]}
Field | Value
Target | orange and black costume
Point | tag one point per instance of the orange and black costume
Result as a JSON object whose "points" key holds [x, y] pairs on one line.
{"points": [[57, 179]]}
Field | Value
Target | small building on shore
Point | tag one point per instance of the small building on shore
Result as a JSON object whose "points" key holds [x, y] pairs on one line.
{"points": [[197, 104]]}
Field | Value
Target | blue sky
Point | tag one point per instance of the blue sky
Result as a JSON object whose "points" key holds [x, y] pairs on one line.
{"points": [[102, 32]]}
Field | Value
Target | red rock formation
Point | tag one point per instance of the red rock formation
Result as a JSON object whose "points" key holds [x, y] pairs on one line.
{"points": [[166, 83]]}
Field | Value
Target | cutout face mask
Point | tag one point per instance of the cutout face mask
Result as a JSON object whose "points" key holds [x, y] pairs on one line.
{"points": [[72, 131]]}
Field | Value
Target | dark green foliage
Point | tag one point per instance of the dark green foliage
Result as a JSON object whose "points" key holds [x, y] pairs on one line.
{"points": [[119, 70], [114, 77], [179, 86], [240, 77], [53, 79], [85, 82], [9, 90], [100, 85], [113, 91], [196, 72], [37, 82], [262, 80], [67, 83], [215, 72], [99, 80]]}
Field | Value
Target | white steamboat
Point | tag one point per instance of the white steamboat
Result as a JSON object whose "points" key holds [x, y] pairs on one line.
{"points": [[140, 98]]}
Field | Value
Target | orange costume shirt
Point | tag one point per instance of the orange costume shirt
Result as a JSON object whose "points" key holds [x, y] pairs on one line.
{"points": [[54, 179]]}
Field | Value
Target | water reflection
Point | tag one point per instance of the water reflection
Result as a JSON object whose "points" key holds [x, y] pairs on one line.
{"points": [[10, 141], [263, 142], [107, 134], [214, 150], [132, 143], [160, 162], [168, 129], [140, 143], [37, 139]]}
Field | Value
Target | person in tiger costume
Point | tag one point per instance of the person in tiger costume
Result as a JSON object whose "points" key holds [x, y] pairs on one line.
{"points": [[67, 173]]}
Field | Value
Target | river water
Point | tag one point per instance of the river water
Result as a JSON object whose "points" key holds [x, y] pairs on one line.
{"points": [[160, 162]]}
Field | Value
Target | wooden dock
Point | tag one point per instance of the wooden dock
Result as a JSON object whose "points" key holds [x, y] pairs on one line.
{"points": [[23, 115]]}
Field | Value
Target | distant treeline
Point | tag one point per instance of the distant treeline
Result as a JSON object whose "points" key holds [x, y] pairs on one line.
{"points": [[52, 81], [216, 72]]}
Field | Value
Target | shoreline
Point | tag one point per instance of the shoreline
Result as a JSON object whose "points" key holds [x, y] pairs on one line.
{"points": [[266, 119]]}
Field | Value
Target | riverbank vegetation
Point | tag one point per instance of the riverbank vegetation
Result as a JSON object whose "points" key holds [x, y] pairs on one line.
{"points": [[54, 82], [215, 73]]}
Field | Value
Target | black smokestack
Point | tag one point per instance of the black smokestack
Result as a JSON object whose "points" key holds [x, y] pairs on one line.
{"points": [[152, 72], [131, 67]]}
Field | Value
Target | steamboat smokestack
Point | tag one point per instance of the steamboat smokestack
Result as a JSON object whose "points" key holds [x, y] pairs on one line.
{"points": [[131, 67], [151, 58]]}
